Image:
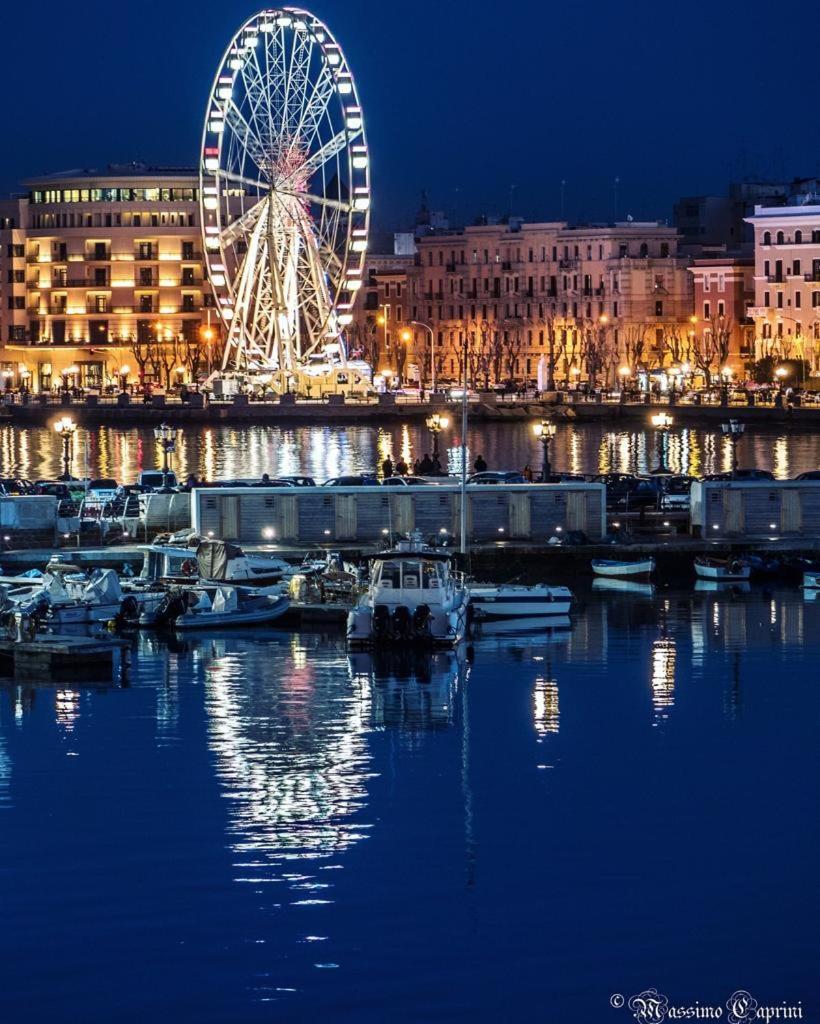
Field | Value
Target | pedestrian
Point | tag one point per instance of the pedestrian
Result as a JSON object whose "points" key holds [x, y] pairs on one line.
{"points": [[265, 482], [426, 467], [437, 470], [527, 473], [387, 468], [401, 468], [480, 466]]}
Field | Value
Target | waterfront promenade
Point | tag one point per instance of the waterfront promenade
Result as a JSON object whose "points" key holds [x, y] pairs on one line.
{"points": [[39, 410]]}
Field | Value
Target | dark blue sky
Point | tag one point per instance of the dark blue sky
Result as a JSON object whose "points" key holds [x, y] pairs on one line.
{"points": [[464, 97]]}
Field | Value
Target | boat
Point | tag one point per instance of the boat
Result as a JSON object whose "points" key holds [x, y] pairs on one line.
{"points": [[210, 560], [811, 580], [69, 599], [217, 607], [620, 569], [615, 586], [509, 601], [724, 570], [413, 596]]}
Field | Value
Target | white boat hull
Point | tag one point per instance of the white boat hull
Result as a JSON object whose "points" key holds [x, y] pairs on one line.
{"points": [[723, 574], [512, 602], [622, 570], [232, 620]]}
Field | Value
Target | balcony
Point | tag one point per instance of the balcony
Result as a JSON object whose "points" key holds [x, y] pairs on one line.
{"points": [[97, 256], [813, 276], [149, 256]]}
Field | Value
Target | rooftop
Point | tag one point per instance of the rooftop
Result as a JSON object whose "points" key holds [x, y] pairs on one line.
{"points": [[128, 170]]}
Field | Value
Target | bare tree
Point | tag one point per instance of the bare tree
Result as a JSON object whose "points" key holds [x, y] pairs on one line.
{"points": [[721, 330], [634, 337], [593, 348], [142, 348], [512, 342], [677, 344]]}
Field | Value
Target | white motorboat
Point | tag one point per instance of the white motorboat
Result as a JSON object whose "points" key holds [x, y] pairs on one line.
{"points": [[620, 569], [811, 580], [70, 599], [728, 570], [509, 601], [413, 597], [218, 607], [212, 560]]}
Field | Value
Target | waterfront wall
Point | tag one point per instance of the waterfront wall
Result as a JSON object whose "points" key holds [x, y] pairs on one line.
{"points": [[315, 515], [755, 509]]}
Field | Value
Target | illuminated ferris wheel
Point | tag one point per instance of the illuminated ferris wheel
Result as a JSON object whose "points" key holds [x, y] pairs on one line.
{"points": [[284, 193]]}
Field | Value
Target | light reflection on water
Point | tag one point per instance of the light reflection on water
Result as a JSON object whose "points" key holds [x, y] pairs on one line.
{"points": [[325, 451], [336, 814]]}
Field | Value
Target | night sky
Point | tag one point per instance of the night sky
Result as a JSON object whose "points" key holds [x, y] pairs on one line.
{"points": [[488, 106]]}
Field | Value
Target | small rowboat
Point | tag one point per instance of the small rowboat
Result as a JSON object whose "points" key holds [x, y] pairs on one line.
{"points": [[621, 570], [512, 602], [811, 580], [724, 570]]}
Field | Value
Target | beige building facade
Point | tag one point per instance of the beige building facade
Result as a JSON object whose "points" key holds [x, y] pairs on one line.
{"points": [[786, 310], [587, 301], [103, 280]]}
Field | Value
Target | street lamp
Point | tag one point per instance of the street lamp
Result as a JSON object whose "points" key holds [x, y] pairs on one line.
{"points": [[435, 424], [661, 421], [167, 437], [124, 371], [545, 432], [734, 430], [725, 378], [429, 329], [66, 428]]}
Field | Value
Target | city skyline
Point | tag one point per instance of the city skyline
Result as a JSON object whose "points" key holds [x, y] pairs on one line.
{"points": [[547, 143]]}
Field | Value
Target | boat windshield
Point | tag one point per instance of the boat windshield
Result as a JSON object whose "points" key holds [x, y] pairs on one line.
{"points": [[410, 575]]}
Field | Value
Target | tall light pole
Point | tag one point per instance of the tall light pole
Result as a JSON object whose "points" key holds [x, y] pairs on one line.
{"points": [[167, 437], [429, 329], [66, 428], [545, 432], [734, 430], [383, 320], [662, 421]]}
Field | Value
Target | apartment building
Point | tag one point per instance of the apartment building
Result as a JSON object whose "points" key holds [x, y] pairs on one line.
{"points": [[786, 310], [590, 298], [722, 328], [102, 272]]}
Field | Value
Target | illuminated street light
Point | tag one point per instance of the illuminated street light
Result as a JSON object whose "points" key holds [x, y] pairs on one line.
{"points": [[435, 424], [167, 437], [662, 421], [66, 428], [545, 432], [734, 430]]}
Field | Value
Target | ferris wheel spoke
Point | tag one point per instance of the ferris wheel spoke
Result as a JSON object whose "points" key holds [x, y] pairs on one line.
{"points": [[240, 179], [239, 125], [242, 225], [324, 201]]}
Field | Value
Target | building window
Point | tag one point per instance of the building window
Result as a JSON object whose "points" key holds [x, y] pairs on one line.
{"points": [[798, 237], [721, 309], [659, 307], [767, 238]]}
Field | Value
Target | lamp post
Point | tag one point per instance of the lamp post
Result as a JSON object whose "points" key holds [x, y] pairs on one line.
{"points": [[429, 329], [66, 428], [734, 430], [662, 421], [435, 424], [124, 371], [167, 437], [725, 378], [545, 432]]}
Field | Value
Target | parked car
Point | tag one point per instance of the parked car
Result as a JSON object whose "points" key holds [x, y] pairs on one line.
{"points": [[742, 474], [496, 477], [151, 479], [625, 491], [13, 486], [812, 474], [297, 481], [405, 481], [675, 492], [365, 480]]}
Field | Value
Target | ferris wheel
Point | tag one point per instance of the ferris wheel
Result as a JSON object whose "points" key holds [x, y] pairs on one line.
{"points": [[284, 194]]}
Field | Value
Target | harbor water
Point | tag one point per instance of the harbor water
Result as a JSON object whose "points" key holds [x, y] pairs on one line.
{"points": [[260, 827], [226, 452]]}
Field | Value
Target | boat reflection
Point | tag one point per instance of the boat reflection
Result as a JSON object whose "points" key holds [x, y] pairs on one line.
{"points": [[406, 689], [553, 629], [601, 585], [725, 587]]}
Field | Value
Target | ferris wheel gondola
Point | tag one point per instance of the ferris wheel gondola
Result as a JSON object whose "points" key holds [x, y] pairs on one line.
{"points": [[284, 194]]}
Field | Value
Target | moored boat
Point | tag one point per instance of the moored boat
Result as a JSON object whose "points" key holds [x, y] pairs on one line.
{"points": [[218, 607], [811, 580], [508, 601], [413, 597], [725, 570], [620, 569]]}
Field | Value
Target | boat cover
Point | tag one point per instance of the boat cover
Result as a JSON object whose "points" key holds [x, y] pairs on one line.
{"points": [[225, 600], [103, 588], [213, 558]]}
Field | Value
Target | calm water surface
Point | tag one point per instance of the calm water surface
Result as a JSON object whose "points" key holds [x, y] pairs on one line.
{"points": [[326, 451], [262, 829]]}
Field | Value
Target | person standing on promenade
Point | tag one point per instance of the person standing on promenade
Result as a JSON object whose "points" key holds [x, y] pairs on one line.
{"points": [[387, 468]]}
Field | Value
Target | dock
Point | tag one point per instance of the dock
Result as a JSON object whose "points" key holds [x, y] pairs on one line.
{"points": [[63, 658]]}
